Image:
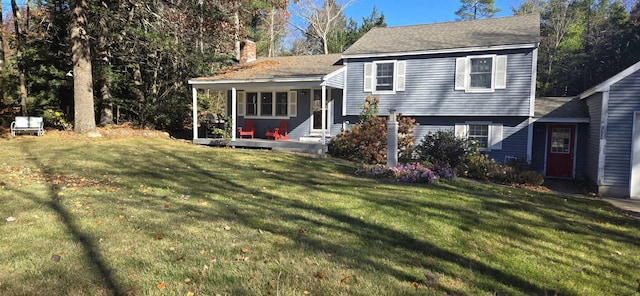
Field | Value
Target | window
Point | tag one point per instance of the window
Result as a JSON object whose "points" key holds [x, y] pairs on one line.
{"points": [[281, 104], [487, 135], [560, 140], [481, 73], [268, 104], [480, 134], [384, 77], [252, 104]]}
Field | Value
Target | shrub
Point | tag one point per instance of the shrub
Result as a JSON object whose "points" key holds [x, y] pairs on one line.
{"points": [[408, 173], [443, 147], [55, 119], [366, 141], [476, 165]]}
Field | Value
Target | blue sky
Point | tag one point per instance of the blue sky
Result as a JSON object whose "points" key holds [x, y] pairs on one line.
{"points": [[413, 12], [396, 12]]}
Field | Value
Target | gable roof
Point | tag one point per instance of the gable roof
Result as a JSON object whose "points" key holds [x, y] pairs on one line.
{"points": [[604, 86], [422, 39], [291, 68]]}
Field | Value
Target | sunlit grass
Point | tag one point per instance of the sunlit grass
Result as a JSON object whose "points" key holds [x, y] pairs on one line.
{"points": [[153, 216]]}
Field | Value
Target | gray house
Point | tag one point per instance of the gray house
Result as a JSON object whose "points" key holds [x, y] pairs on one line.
{"points": [[612, 159], [476, 78]]}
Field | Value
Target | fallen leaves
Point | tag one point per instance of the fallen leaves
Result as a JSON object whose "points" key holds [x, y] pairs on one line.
{"points": [[161, 286], [11, 219], [345, 279]]}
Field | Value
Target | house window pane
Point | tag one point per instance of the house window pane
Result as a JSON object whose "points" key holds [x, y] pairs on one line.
{"points": [[560, 140], [266, 104], [480, 134], [281, 104], [252, 104], [481, 72], [384, 76]]}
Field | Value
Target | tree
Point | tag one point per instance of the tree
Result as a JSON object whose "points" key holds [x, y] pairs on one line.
{"points": [[84, 117], [475, 9], [321, 20], [21, 44]]}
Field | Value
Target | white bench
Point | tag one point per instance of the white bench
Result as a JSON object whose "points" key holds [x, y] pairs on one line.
{"points": [[28, 124]]}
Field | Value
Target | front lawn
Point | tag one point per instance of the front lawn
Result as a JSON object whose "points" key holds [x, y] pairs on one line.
{"points": [[154, 216]]}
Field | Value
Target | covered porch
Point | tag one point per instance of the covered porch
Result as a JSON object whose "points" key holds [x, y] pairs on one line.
{"points": [[301, 95]]}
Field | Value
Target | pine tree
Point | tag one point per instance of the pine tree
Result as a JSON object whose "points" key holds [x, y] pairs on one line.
{"points": [[476, 9]]}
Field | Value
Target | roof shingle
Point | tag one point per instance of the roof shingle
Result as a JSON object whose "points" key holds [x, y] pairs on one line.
{"points": [[450, 35]]}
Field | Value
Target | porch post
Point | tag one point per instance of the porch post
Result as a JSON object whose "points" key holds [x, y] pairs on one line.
{"points": [[234, 113], [324, 114], [194, 93]]}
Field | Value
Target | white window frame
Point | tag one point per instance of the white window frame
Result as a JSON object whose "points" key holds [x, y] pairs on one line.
{"points": [[495, 133], [292, 104], [371, 73], [498, 74]]}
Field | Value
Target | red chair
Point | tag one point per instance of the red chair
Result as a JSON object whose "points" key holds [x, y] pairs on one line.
{"points": [[248, 129], [280, 132]]}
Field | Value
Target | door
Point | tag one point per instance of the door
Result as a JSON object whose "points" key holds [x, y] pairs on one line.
{"points": [[560, 151], [316, 111], [634, 185]]}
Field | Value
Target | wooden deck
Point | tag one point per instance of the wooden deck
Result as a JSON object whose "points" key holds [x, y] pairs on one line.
{"points": [[290, 146]]}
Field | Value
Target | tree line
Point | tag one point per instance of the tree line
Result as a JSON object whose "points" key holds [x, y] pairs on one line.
{"points": [[98, 62]]}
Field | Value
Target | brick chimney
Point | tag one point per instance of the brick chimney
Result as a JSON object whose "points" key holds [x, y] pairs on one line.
{"points": [[247, 52]]}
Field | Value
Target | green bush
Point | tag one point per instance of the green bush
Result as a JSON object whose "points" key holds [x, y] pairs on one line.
{"points": [[55, 119], [477, 165], [442, 147]]}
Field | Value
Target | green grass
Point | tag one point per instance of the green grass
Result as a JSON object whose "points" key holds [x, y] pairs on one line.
{"points": [[152, 216]]}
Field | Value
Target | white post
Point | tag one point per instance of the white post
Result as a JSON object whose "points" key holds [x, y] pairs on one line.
{"points": [[392, 139], [324, 114], [194, 93], [234, 113]]}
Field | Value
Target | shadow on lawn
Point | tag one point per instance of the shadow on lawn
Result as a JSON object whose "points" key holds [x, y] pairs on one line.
{"points": [[87, 242], [294, 171]]}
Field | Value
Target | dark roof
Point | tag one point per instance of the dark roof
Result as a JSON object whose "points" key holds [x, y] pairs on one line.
{"points": [[560, 107], [280, 67], [450, 35]]}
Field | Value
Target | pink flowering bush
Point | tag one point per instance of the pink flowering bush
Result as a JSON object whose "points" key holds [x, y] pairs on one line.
{"points": [[414, 172]]}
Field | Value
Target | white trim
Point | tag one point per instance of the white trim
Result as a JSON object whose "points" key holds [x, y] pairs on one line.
{"points": [[234, 113], [604, 116], [530, 140], [467, 87], [194, 94], [257, 80], [374, 77], [324, 115], [532, 95], [344, 91], [490, 136], [441, 51], [574, 148], [604, 86], [273, 92], [634, 177], [334, 73], [562, 120]]}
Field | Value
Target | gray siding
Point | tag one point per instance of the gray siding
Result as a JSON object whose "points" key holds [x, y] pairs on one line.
{"points": [[337, 81], [430, 88], [624, 99], [515, 133], [594, 103]]}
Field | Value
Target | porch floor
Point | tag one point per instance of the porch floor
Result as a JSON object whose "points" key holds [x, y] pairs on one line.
{"points": [[289, 145]]}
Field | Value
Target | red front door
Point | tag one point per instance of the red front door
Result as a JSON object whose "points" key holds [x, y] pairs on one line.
{"points": [[560, 151]]}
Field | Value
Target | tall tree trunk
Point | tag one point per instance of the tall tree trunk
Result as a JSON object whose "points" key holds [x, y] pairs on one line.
{"points": [[20, 35], [3, 49], [272, 37], [105, 81], [84, 117], [236, 31]]}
